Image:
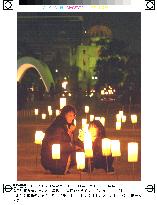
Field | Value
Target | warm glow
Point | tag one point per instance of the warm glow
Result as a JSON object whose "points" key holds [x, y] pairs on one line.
{"points": [[91, 118], [97, 118], [118, 125], [121, 113], [62, 102], [102, 120], [115, 148], [132, 152], [80, 160], [118, 117], [84, 122], [88, 145], [124, 118], [36, 111], [75, 122], [43, 116], [56, 151], [102, 92], [57, 112], [86, 109], [39, 135], [106, 147], [134, 118], [64, 84], [50, 112], [49, 108]]}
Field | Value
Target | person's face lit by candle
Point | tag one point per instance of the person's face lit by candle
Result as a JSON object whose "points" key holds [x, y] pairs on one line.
{"points": [[70, 116], [93, 131]]}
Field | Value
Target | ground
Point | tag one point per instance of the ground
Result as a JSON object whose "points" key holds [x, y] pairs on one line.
{"points": [[30, 169]]}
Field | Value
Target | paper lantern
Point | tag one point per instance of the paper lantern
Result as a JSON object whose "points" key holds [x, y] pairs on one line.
{"points": [[115, 148], [80, 160], [75, 122], [91, 118], [102, 120], [124, 118], [39, 135], [86, 109], [106, 147], [88, 145], [49, 108], [43, 116], [36, 111], [84, 122], [56, 151], [118, 117], [132, 152], [97, 118], [118, 125], [62, 102], [134, 119], [57, 112], [50, 112], [121, 113]]}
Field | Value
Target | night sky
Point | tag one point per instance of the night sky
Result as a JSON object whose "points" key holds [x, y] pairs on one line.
{"points": [[124, 25]]}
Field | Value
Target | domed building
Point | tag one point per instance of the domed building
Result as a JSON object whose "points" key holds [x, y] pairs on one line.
{"points": [[87, 53]]}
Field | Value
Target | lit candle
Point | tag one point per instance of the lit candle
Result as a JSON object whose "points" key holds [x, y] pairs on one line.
{"points": [[49, 108], [57, 112], [102, 120], [62, 102], [115, 148], [39, 135], [124, 118], [88, 145], [134, 118], [36, 111], [132, 152], [97, 118], [118, 117], [118, 125], [80, 160], [86, 109], [91, 117], [43, 116], [56, 151], [106, 147]]}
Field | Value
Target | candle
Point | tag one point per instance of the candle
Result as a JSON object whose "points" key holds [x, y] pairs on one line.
{"points": [[62, 102], [86, 109], [91, 118], [124, 118], [118, 125], [57, 112], [102, 120], [132, 152], [36, 111], [118, 117], [80, 160], [43, 116], [39, 135], [88, 145], [134, 118], [115, 148], [106, 147], [97, 118], [56, 151], [49, 108]]}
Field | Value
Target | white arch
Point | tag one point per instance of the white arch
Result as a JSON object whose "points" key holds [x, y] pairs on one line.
{"points": [[25, 63]]}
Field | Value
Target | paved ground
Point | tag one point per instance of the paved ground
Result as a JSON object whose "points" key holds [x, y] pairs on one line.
{"points": [[30, 169]]}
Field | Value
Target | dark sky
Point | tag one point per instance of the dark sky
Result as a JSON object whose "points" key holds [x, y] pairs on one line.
{"points": [[124, 25]]}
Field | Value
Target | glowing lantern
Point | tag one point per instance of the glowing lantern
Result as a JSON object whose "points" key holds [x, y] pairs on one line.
{"points": [[86, 109], [121, 113], [118, 125], [84, 122], [102, 120], [50, 112], [124, 118], [91, 117], [132, 152], [62, 102], [97, 118], [106, 147], [75, 122], [88, 145], [43, 116], [134, 119], [118, 117], [36, 111], [56, 151], [49, 108], [39, 135], [115, 148], [80, 160], [57, 112]]}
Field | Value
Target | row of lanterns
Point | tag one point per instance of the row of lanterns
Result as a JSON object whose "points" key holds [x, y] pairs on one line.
{"points": [[109, 147]]}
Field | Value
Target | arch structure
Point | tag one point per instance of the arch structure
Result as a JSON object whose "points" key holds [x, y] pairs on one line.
{"points": [[25, 63]]}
